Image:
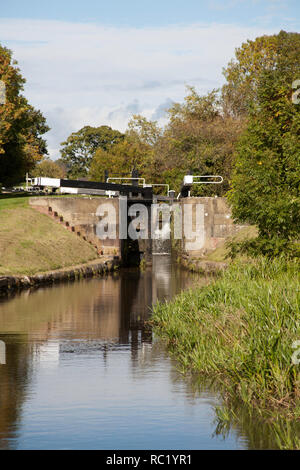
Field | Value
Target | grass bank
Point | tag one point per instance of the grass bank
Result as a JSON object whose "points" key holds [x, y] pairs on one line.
{"points": [[217, 259], [239, 330], [31, 242]]}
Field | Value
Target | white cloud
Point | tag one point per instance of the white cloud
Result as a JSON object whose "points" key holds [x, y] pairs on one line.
{"points": [[87, 74]]}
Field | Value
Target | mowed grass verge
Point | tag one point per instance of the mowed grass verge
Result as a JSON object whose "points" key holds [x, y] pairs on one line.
{"points": [[31, 242]]}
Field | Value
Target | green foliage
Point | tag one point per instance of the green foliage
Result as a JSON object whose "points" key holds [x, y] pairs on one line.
{"points": [[197, 138], [266, 246], [266, 183], [78, 150], [143, 130], [242, 73], [196, 107], [50, 169], [31, 242], [251, 59], [120, 159], [21, 126]]}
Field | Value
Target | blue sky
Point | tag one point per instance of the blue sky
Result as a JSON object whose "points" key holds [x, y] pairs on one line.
{"points": [[97, 62], [143, 13]]}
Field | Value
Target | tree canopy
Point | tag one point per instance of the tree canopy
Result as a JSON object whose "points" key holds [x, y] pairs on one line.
{"points": [[49, 168], [243, 73], [200, 139], [78, 150], [120, 160], [21, 126], [266, 181]]}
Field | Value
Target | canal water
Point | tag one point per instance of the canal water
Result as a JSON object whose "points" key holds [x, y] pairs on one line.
{"points": [[84, 370]]}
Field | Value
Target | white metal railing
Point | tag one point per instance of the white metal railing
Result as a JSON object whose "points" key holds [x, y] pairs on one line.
{"points": [[189, 180], [208, 182], [124, 178], [142, 180]]}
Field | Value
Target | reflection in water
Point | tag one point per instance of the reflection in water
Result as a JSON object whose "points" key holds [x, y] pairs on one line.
{"points": [[83, 369], [14, 378]]}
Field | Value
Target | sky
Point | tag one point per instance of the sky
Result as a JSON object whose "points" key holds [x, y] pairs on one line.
{"points": [[96, 62]]}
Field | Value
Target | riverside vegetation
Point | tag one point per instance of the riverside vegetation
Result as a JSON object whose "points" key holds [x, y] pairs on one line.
{"points": [[239, 330]]}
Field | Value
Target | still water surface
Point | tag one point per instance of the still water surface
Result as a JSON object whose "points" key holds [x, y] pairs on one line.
{"points": [[84, 371]]}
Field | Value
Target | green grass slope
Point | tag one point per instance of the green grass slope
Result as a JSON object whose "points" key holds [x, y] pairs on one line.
{"points": [[31, 242], [222, 251]]}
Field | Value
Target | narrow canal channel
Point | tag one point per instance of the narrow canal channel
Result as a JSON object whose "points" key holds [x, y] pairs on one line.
{"points": [[84, 371]]}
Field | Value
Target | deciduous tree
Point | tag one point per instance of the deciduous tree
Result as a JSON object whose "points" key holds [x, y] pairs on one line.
{"points": [[49, 168], [78, 150], [243, 73], [21, 126], [120, 160], [266, 182]]}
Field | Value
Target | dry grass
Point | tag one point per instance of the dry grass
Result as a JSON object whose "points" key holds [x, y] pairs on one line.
{"points": [[31, 242]]}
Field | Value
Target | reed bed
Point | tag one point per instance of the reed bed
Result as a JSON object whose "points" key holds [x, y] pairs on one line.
{"points": [[241, 330]]}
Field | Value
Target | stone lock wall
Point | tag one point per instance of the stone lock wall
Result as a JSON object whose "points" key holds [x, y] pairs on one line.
{"points": [[215, 220], [81, 215]]}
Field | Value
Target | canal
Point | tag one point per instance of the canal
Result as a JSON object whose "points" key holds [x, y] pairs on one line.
{"points": [[84, 370]]}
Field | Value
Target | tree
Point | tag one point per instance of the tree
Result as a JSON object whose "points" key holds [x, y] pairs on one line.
{"points": [[63, 166], [196, 107], [198, 138], [50, 169], [148, 136], [265, 185], [21, 126], [242, 74], [145, 131], [119, 160], [78, 150]]}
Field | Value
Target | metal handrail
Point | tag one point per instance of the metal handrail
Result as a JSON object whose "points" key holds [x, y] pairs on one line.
{"points": [[124, 178], [208, 182]]}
